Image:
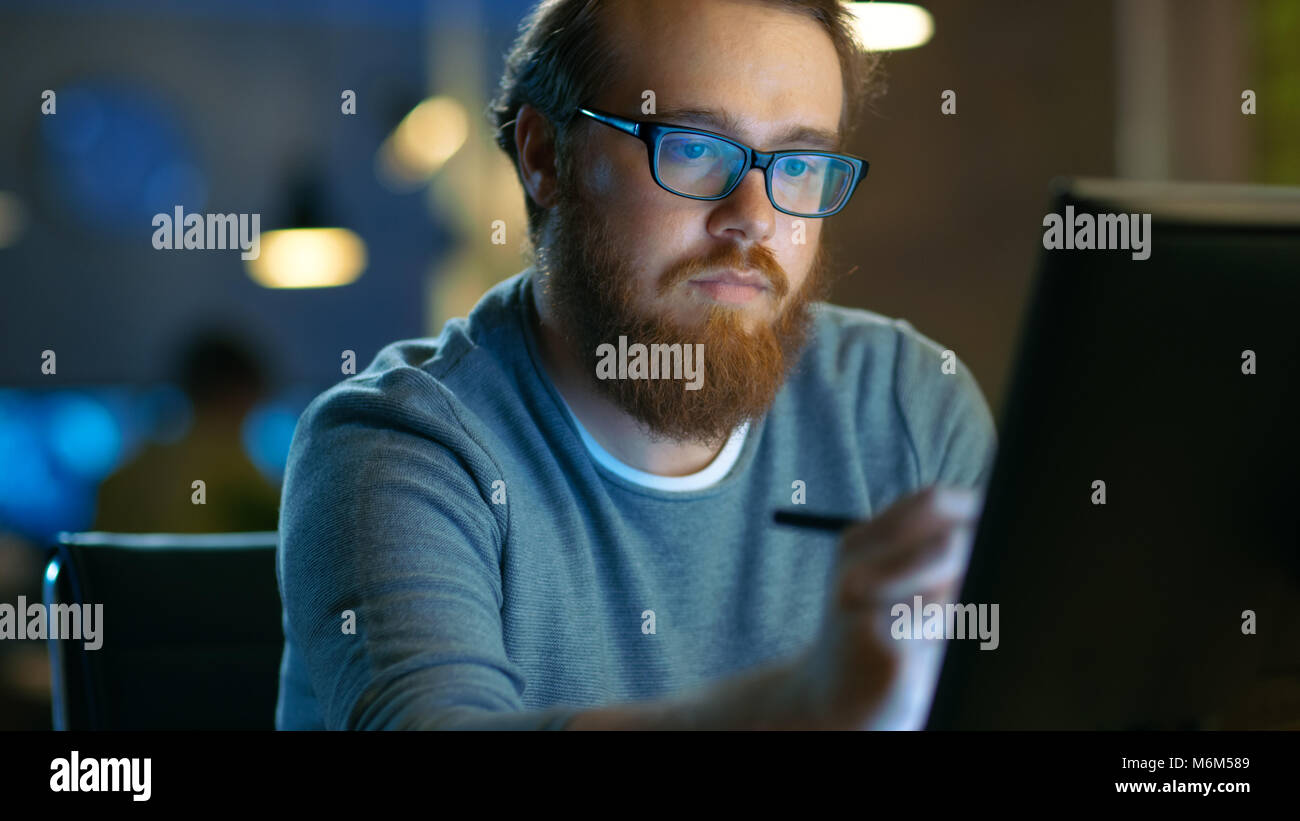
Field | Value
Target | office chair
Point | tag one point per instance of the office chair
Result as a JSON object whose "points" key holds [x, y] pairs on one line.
{"points": [[191, 635]]}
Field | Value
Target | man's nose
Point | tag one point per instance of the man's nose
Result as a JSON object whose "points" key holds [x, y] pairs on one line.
{"points": [[746, 213]]}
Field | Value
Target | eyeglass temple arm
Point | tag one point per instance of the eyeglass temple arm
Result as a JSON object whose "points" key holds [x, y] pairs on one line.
{"points": [[610, 120]]}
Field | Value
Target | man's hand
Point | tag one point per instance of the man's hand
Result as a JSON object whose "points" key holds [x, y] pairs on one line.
{"points": [[856, 676]]}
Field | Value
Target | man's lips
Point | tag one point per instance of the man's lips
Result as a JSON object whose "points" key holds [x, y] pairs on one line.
{"points": [[732, 286]]}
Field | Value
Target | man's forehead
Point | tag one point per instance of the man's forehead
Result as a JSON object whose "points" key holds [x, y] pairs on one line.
{"points": [[769, 134], [756, 71]]}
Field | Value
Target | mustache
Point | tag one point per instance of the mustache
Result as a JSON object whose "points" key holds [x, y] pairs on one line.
{"points": [[757, 258]]}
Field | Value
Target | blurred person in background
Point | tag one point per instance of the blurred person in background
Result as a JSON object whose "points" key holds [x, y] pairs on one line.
{"points": [[154, 492]]}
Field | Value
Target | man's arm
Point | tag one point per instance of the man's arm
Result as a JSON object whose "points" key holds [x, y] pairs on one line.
{"points": [[383, 519], [766, 698]]}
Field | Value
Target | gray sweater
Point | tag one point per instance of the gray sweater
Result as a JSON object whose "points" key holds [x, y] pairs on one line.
{"points": [[451, 555]]}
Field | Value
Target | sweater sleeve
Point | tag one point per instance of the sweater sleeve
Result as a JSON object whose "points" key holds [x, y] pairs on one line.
{"points": [[389, 563], [953, 435]]}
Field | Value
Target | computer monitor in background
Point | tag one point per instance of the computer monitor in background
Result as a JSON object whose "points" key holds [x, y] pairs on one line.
{"points": [[1170, 373]]}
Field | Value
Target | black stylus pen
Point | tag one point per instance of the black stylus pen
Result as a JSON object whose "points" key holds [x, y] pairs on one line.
{"points": [[813, 520]]}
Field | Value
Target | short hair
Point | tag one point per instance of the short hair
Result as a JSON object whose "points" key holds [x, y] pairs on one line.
{"points": [[559, 61]]}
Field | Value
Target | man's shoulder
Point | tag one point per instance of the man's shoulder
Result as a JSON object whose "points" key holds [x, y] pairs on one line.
{"points": [[490, 324], [853, 342], [421, 377], [892, 379]]}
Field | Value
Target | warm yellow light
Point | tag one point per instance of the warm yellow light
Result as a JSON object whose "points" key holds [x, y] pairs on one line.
{"points": [[308, 258], [425, 139], [892, 26], [13, 218]]}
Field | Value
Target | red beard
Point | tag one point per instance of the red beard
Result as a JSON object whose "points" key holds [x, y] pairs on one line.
{"points": [[592, 293]]}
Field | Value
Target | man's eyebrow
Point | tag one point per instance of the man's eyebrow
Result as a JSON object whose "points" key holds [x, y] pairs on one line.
{"points": [[798, 136]]}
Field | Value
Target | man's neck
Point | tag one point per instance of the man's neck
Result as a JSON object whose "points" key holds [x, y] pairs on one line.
{"points": [[615, 430]]}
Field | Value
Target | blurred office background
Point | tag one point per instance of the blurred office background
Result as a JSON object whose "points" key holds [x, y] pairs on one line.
{"points": [[173, 366]]}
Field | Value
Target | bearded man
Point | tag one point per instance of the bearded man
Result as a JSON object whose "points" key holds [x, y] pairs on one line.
{"points": [[482, 530]]}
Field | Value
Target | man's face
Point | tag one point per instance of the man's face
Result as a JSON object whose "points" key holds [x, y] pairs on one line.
{"points": [[622, 256]]}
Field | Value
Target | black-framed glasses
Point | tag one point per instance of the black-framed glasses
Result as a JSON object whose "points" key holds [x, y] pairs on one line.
{"points": [[701, 165]]}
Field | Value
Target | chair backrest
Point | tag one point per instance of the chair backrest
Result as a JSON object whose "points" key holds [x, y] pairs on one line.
{"points": [[190, 634]]}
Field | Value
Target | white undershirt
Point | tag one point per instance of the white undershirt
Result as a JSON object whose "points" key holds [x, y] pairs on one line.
{"points": [[709, 475]]}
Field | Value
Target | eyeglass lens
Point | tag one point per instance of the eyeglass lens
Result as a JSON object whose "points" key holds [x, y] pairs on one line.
{"points": [[700, 166]]}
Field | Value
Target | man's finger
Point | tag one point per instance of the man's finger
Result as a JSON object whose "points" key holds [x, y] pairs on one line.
{"points": [[937, 560]]}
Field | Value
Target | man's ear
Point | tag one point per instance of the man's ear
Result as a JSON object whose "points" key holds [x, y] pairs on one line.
{"points": [[535, 145]]}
